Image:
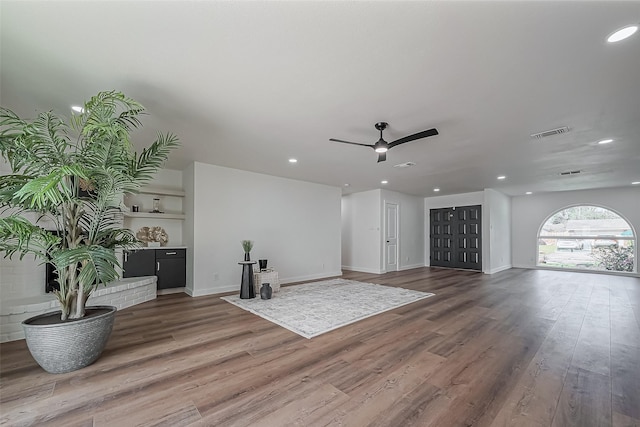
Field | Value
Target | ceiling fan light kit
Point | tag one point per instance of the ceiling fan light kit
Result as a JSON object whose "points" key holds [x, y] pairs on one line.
{"points": [[381, 147]]}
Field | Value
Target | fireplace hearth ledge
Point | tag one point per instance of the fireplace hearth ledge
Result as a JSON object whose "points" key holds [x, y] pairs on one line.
{"points": [[121, 294]]}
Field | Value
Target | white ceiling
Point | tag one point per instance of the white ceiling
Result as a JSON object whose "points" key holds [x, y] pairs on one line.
{"points": [[249, 84]]}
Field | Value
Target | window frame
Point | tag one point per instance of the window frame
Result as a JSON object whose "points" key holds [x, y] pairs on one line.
{"points": [[633, 238]]}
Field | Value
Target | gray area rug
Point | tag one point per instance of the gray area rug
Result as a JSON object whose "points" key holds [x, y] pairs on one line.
{"points": [[314, 308]]}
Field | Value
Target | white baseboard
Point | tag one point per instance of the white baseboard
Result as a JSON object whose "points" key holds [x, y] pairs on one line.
{"points": [[410, 267], [172, 291], [213, 291], [309, 277], [373, 271], [236, 287], [528, 266], [499, 269], [362, 269]]}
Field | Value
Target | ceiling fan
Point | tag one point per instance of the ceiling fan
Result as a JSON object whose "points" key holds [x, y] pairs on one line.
{"points": [[381, 147]]}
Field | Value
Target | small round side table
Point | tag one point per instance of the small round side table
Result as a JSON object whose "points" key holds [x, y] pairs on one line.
{"points": [[246, 286]]}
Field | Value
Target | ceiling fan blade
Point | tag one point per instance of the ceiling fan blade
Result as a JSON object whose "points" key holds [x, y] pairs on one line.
{"points": [[349, 142], [382, 157], [419, 135]]}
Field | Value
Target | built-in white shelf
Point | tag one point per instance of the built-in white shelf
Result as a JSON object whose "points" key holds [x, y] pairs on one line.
{"points": [[162, 191], [154, 215]]}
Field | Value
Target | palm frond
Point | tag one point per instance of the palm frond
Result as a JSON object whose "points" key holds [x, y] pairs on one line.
{"points": [[33, 147], [99, 218], [152, 158], [45, 193], [97, 264], [18, 235], [9, 185], [101, 116], [11, 129]]}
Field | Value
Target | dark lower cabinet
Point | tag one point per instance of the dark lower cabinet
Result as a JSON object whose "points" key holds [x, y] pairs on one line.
{"points": [[171, 268], [169, 265], [139, 263]]}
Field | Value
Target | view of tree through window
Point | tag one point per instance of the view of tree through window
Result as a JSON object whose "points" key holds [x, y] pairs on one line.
{"points": [[587, 237]]}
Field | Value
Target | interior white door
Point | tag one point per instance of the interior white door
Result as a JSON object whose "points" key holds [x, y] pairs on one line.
{"points": [[391, 236]]}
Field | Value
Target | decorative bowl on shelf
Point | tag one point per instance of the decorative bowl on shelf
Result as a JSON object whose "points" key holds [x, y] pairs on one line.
{"points": [[153, 236]]}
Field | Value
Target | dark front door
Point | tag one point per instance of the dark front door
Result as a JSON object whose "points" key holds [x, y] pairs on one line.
{"points": [[456, 237], [468, 249], [441, 237]]}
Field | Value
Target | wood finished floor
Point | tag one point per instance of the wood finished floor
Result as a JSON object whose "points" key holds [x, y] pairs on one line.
{"points": [[517, 348]]}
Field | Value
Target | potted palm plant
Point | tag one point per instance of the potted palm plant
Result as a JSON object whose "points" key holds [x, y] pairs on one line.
{"points": [[73, 176]]}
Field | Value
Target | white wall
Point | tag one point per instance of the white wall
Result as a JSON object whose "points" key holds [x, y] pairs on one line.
{"points": [[188, 233], [361, 233], [363, 230], [411, 233], [294, 224], [529, 212], [497, 251]]}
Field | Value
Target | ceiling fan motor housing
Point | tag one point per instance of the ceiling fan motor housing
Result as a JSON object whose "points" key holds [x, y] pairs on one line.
{"points": [[381, 146], [381, 126]]}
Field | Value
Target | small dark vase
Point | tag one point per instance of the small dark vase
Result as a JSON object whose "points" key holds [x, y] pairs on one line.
{"points": [[247, 257], [265, 291], [263, 264]]}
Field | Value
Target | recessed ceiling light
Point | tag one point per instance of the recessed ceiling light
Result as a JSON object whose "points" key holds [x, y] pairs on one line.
{"points": [[635, 183], [501, 177], [404, 165], [77, 109], [528, 192], [436, 189], [384, 182], [605, 141], [293, 160], [346, 185], [622, 33]]}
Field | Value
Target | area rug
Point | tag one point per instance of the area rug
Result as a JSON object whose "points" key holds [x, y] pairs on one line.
{"points": [[314, 308]]}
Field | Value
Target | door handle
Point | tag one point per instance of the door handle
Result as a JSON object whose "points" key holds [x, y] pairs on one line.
{"points": [[387, 241], [157, 265]]}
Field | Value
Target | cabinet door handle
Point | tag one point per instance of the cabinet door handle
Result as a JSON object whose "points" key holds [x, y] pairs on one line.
{"points": [[157, 265], [170, 253], [126, 256]]}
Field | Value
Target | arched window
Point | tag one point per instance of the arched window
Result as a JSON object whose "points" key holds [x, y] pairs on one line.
{"points": [[587, 237]]}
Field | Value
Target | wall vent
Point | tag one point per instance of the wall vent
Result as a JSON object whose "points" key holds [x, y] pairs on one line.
{"points": [[550, 132], [570, 173], [404, 165]]}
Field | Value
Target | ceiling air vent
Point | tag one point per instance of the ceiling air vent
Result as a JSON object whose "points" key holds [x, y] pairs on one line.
{"points": [[570, 173], [404, 165], [550, 132]]}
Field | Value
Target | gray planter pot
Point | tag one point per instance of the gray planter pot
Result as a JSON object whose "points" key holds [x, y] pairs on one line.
{"points": [[67, 346]]}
